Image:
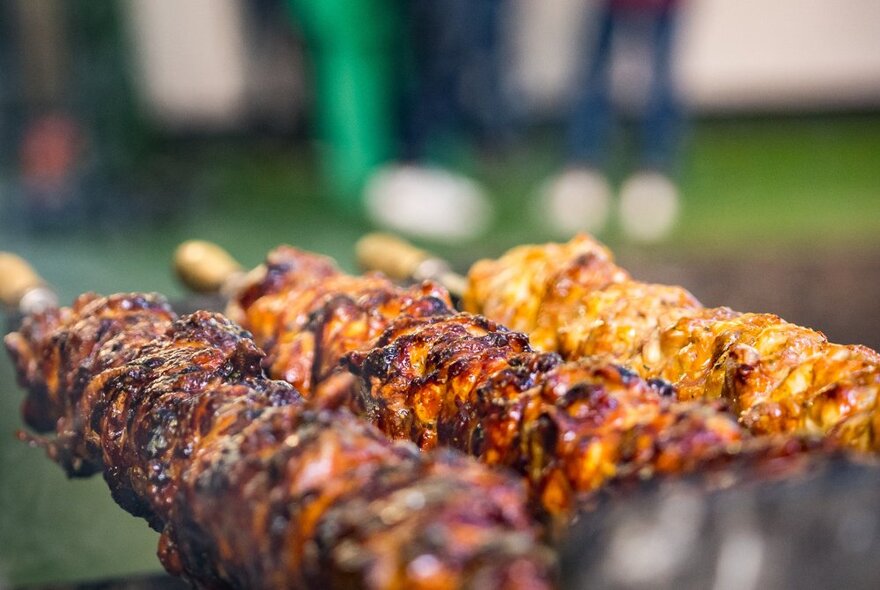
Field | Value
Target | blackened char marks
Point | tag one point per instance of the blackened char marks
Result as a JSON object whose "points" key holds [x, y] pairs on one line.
{"points": [[250, 485]]}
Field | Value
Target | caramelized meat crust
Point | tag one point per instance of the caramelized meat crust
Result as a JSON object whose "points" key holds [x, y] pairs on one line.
{"points": [[777, 377], [250, 485], [569, 428], [307, 314], [457, 380]]}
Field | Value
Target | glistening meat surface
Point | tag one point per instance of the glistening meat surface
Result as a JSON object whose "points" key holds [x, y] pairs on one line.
{"points": [[406, 361], [249, 485], [777, 377]]}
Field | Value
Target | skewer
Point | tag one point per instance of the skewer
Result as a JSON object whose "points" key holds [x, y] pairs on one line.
{"points": [[205, 267], [187, 543], [184, 423], [402, 261], [573, 299], [18, 278], [22, 288], [404, 360]]}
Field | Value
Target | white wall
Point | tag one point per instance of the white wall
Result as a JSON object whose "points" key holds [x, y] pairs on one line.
{"points": [[781, 53], [734, 54], [191, 58]]}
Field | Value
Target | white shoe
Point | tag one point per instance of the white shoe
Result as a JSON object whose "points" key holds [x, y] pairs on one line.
{"points": [[649, 205], [431, 203], [578, 200]]}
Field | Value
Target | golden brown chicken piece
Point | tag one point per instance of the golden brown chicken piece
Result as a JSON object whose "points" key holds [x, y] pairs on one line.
{"points": [[249, 485], [441, 378], [778, 377], [569, 428]]}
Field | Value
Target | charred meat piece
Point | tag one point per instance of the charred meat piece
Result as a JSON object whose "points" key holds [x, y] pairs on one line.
{"points": [[307, 314], [570, 428], [250, 485], [777, 377]]}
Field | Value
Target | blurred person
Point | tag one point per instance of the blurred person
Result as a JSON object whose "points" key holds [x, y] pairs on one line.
{"points": [[76, 137], [351, 46], [49, 168], [579, 198], [44, 143], [454, 85]]}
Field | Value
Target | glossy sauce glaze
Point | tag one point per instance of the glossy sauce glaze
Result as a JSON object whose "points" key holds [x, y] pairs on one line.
{"points": [[776, 377], [250, 485], [404, 360]]}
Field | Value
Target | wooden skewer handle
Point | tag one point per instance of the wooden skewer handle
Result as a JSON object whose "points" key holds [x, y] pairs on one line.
{"points": [[21, 287], [205, 267], [390, 255], [401, 261], [17, 277]]}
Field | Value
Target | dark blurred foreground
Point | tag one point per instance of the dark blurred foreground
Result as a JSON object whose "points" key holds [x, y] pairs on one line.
{"points": [[817, 530], [821, 530]]}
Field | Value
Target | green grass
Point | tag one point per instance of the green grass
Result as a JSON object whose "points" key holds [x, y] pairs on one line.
{"points": [[789, 183], [802, 185]]}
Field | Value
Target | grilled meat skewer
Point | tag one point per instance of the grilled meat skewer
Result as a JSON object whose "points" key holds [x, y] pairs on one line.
{"points": [[250, 485], [403, 359], [572, 298], [778, 377]]}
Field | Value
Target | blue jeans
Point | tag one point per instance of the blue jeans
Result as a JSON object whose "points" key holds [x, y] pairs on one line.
{"points": [[592, 118], [455, 66]]}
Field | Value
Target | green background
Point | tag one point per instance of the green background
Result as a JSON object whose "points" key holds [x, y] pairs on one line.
{"points": [[797, 186]]}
